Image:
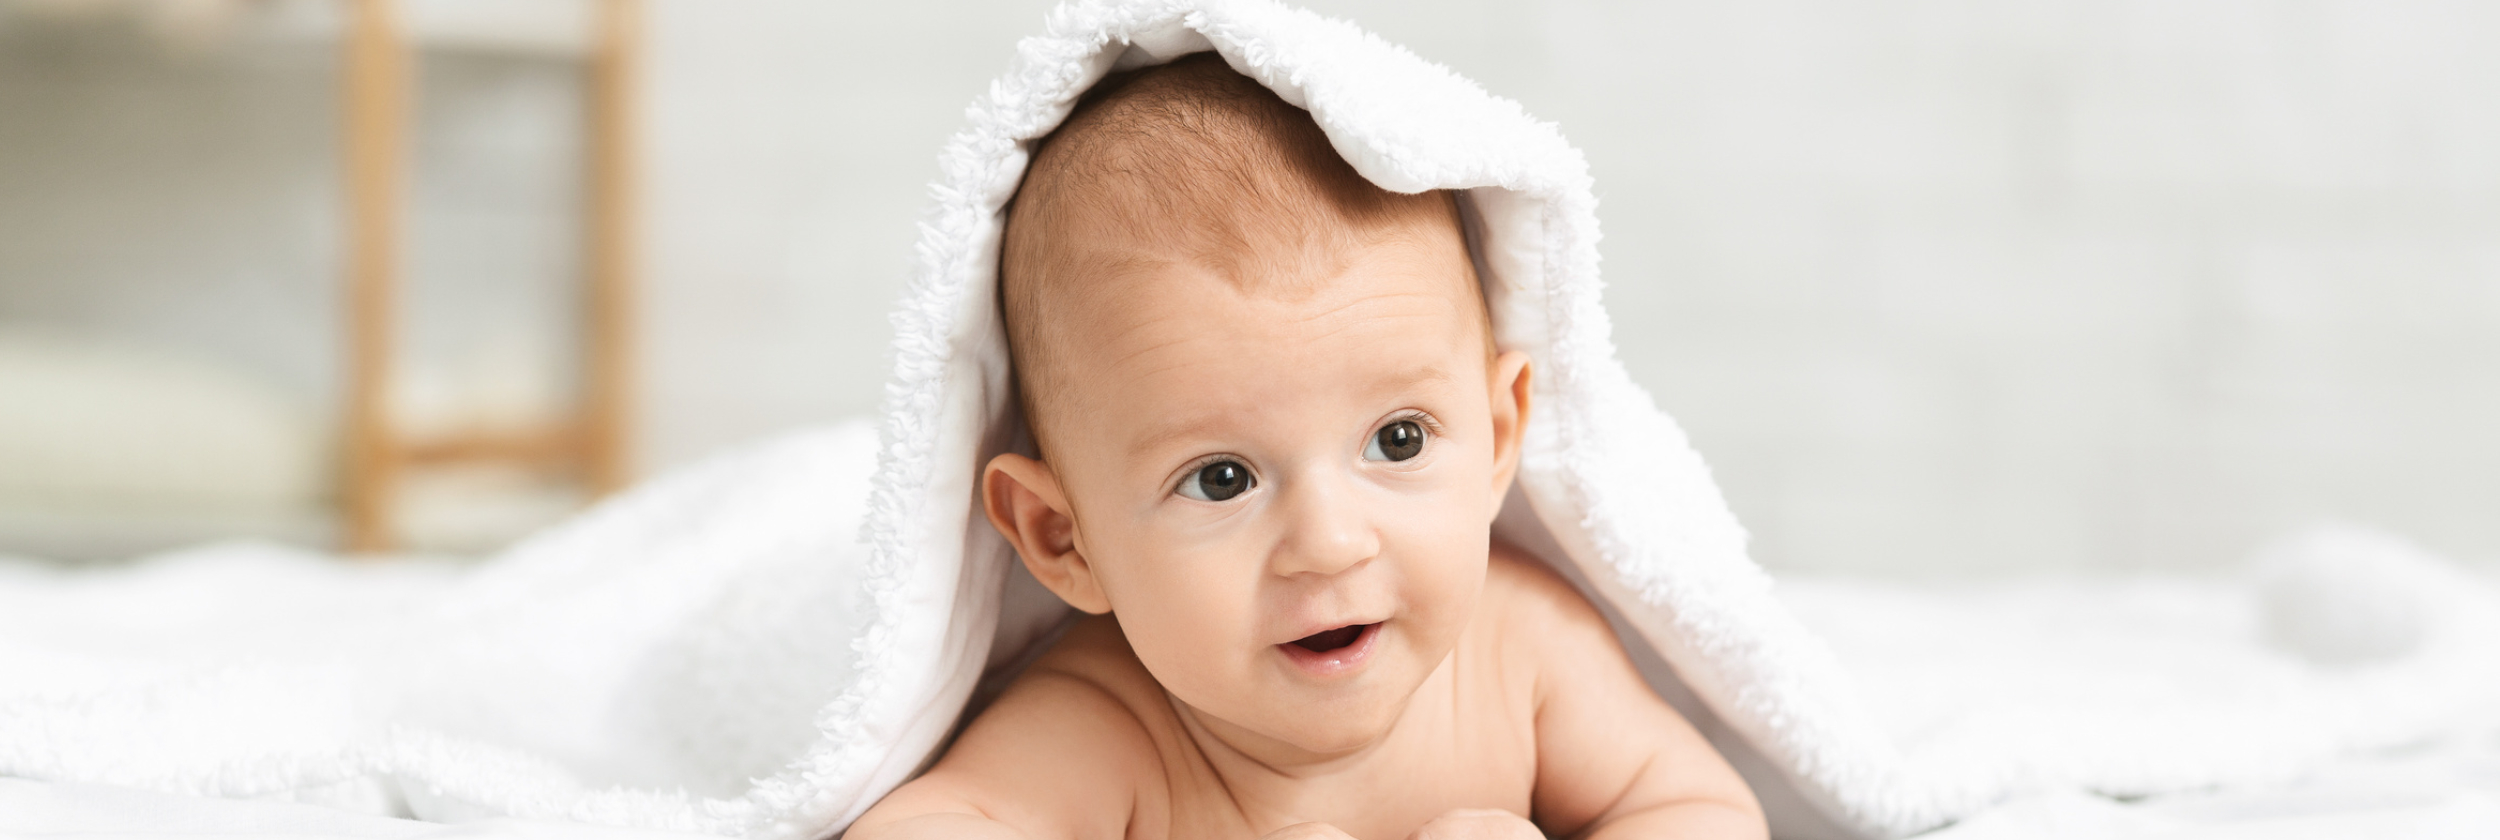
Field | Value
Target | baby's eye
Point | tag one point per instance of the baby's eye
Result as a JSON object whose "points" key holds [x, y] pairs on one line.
{"points": [[1218, 481], [1396, 442]]}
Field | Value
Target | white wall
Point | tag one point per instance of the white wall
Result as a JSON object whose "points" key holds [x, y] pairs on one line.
{"points": [[1938, 287], [182, 197], [791, 145]]}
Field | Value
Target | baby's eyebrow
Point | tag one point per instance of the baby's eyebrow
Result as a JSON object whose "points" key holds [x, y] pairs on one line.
{"points": [[1400, 380], [1154, 441]]}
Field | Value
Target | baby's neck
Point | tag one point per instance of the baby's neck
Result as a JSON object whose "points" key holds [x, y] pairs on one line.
{"points": [[1268, 777], [1233, 750]]}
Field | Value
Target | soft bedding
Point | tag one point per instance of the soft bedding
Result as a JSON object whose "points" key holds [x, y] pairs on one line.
{"points": [[2440, 789], [38, 809]]}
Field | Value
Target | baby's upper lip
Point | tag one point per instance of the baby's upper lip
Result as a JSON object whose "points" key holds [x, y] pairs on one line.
{"points": [[1314, 628]]}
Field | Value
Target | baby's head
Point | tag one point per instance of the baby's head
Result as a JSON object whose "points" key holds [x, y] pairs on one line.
{"points": [[1274, 431]]}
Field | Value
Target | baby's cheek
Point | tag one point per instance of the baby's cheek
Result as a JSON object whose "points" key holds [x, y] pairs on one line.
{"points": [[1180, 619], [1447, 560]]}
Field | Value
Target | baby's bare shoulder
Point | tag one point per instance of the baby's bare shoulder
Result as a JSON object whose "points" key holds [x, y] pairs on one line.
{"points": [[1529, 621], [1089, 676], [1608, 748], [1064, 752]]}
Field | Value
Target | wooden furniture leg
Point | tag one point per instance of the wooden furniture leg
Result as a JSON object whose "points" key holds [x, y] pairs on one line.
{"points": [[607, 398], [376, 106]]}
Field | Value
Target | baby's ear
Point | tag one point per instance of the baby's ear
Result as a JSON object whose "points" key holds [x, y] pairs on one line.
{"points": [[1025, 504], [1510, 418]]}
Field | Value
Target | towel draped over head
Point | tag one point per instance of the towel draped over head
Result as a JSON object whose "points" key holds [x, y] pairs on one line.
{"points": [[1608, 488]]}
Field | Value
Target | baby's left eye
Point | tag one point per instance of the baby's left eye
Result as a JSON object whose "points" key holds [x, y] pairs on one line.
{"points": [[1396, 442]]}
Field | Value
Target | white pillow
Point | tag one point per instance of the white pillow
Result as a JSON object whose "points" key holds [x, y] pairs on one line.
{"points": [[93, 422]]}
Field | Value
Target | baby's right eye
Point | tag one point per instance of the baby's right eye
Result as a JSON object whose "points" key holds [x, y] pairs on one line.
{"points": [[1218, 481]]}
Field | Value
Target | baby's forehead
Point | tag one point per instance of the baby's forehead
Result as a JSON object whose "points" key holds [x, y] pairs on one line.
{"points": [[1417, 290], [1269, 346], [1192, 167], [1143, 258], [1117, 236], [1214, 199]]}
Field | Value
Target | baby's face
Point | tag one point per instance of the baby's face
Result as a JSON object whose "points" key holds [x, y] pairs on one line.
{"points": [[1286, 498]]}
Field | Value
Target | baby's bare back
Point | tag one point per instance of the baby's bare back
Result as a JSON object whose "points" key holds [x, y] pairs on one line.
{"points": [[1536, 712]]}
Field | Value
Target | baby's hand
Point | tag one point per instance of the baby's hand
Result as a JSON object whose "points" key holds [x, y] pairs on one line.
{"points": [[1308, 831], [1478, 824]]}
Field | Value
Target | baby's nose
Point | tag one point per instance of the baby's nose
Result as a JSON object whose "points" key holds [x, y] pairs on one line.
{"points": [[1327, 531]]}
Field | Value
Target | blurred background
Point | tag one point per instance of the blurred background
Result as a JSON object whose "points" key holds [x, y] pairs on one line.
{"points": [[1941, 289]]}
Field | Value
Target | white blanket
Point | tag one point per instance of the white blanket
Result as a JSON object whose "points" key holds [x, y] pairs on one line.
{"points": [[764, 644], [641, 665], [2448, 795]]}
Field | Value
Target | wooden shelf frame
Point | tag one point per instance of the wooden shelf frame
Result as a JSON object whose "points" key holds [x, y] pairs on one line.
{"points": [[377, 92]]}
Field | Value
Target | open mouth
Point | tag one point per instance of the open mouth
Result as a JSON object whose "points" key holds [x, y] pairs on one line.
{"points": [[1333, 654], [1328, 640]]}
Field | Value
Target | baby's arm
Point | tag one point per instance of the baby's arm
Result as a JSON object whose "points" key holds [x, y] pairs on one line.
{"points": [[1614, 760], [1056, 758]]}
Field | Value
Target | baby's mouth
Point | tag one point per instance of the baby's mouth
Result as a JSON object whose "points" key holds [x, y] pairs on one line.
{"points": [[1334, 654], [1328, 640]]}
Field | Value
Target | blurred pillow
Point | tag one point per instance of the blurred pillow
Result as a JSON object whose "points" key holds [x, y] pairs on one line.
{"points": [[85, 421]]}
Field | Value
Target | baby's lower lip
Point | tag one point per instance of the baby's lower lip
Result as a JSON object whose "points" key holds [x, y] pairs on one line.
{"points": [[1334, 662]]}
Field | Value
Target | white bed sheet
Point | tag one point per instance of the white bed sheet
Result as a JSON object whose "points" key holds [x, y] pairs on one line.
{"points": [[2441, 792], [2449, 792], [62, 809]]}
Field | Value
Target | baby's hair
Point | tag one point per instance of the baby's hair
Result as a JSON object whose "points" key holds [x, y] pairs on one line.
{"points": [[1200, 162]]}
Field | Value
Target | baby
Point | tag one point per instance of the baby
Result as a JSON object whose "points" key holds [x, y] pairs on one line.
{"points": [[1274, 432]]}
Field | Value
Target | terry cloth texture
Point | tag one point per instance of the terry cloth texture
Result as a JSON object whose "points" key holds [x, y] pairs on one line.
{"points": [[764, 644]]}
